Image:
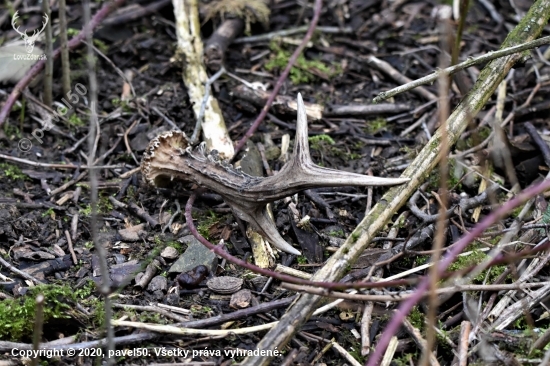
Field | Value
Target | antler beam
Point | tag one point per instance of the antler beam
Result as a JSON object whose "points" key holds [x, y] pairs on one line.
{"points": [[169, 156]]}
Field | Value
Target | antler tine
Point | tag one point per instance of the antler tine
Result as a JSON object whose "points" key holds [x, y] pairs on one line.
{"points": [[45, 22], [301, 173], [301, 144], [259, 218], [13, 19]]}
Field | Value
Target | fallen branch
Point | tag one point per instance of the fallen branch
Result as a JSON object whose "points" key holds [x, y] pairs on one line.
{"points": [[188, 31]]}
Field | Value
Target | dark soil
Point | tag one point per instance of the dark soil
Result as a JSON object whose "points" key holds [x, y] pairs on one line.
{"points": [[35, 225]]}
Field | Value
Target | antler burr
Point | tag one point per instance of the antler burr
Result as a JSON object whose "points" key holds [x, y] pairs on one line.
{"points": [[169, 156]]}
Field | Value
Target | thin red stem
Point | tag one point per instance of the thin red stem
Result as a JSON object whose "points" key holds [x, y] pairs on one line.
{"points": [[457, 248], [265, 272], [282, 78]]}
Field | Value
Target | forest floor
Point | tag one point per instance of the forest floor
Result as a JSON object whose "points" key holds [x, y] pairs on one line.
{"points": [[46, 212]]}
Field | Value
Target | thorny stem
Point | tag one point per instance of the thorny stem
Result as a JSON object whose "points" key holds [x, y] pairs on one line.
{"points": [[330, 286], [35, 70], [218, 250], [457, 248], [282, 78], [461, 66]]}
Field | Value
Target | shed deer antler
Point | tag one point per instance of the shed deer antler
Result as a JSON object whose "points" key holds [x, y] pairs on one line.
{"points": [[170, 156]]}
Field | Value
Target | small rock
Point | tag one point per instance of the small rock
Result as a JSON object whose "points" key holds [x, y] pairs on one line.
{"points": [[172, 299], [132, 233], [241, 299], [225, 284], [251, 163], [139, 142], [259, 282], [119, 258], [158, 295], [196, 254], [158, 283], [169, 253]]}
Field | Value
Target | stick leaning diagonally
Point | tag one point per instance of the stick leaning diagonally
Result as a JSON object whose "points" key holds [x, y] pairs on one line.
{"points": [[527, 30]]}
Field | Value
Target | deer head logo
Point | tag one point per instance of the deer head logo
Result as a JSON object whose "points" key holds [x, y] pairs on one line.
{"points": [[29, 40]]}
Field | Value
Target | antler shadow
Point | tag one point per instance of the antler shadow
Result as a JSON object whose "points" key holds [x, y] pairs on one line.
{"points": [[170, 156]]}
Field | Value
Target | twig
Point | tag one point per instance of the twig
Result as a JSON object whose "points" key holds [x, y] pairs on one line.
{"points": [[169, 223], [397, 76], [441, 224], [341, 350], [140, 212], [93, 139], [155, 309], [168, 120], [289, 32], [170, 329], [463, 345], [19, 272], [421, 342], [35, 70], [539, 142], [65, 64], [188, 32], [428, 79], [70, 244], [48, 70], [282, 78], [38, 326], [239, 314], [404, 295], [390, 351], [128, 148], [56, 166], [200, 117]]}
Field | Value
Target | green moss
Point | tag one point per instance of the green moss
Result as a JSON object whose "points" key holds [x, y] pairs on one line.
{"points": [[354, 236], [416, 318], [206, 222], [300, 73], [422, 259], [104, 206], [11, 172], [475, 258], [102, 46], [301, 259], [76, 121], [86, 210], [49, 212], [71, 32], [376, 125], [337, 233], [17, 315], [12, 131], [320, 141]]}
